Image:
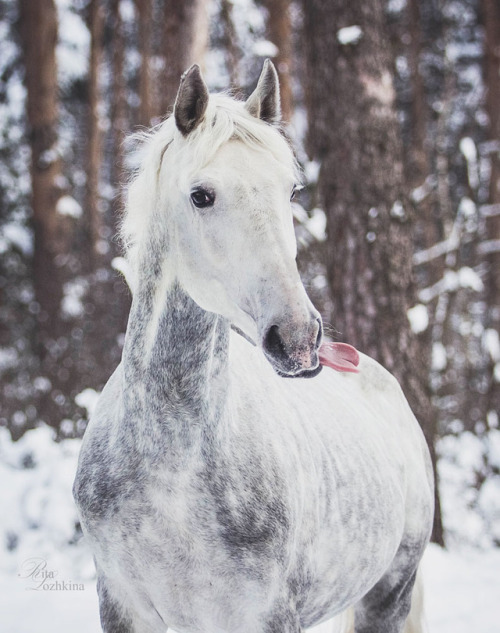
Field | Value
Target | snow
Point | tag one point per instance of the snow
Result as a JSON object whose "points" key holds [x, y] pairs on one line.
{"points": [[439, 360], [87, 399], [73, 293], [496, 372], [381, 88], [491, 343], [467, 207], [488, 246], [74, 44], [8, 358], [489, 210], [316, 224], [469, 468], [311, 170], [418, 316], [396, 6], [420, 193], [67, 205], [349, 34], [43, 611], [398, 211], [459, 50], [265, 48], [127, 11], [451, 281], [461, 590], [14, 234], [38, 536], [469, 151]]}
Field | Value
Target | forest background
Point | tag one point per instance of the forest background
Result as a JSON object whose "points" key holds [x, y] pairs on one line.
{"points": [[394, 110]]}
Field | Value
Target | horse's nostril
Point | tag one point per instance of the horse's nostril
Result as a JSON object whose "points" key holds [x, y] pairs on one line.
{"points": [[319, 336], [273, 343]]}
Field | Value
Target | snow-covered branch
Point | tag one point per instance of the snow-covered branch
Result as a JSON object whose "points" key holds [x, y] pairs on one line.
{"points": [[489, 246], [450, 282]]}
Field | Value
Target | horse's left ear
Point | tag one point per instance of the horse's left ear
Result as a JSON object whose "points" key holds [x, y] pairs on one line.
{"points": [[191, 101], [264, 102]]}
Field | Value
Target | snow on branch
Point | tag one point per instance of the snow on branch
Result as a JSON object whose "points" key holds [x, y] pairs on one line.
{"points": [[489, 210], [450, 282], [489, 246], [349, 35], [466, 209], [441, 248], [469, 152]]}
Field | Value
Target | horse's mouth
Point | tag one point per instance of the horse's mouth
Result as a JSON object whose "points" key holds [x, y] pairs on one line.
{"points": [[288, 367], [305, 373]]}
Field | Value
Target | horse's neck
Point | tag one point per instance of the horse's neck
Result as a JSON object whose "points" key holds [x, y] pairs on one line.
{"points": [[175, 359]]}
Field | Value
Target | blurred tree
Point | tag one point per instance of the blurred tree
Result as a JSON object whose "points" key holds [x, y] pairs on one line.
{"points": [[38, 26], [279, 27], [119, 106], [229, 41], [93, 214], [491, 248], [146, 106], [185, 39], [354, 132]]}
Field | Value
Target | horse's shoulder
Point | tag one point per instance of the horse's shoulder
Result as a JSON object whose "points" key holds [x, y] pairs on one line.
{"points": [[102, 474]]}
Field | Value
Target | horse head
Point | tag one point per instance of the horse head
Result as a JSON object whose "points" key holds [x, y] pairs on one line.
{"points": [[226, 178]]}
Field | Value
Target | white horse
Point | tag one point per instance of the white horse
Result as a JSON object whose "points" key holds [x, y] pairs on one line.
{"points": [[217, 495]]}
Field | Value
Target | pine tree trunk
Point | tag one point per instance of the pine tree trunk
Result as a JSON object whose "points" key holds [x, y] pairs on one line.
{"points": [[146, 107], [230, 43], [353, 130], [279, 26], [491, 18], [96, 25], [38, 26], [185, 41], [119, 108]]}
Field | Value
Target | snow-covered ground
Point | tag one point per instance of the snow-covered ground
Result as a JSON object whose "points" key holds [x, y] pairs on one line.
{"points": [[46, 573], [462, 596]]}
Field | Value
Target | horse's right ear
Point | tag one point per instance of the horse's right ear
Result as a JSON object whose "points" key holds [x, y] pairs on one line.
{"points": [[191, 101]]}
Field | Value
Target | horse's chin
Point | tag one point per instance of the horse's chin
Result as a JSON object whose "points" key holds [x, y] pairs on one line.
{"points": [[305, 373], [287, 368]]}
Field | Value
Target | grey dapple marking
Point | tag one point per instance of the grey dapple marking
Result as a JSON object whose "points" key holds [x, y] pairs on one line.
{"points": [[217, 496]]}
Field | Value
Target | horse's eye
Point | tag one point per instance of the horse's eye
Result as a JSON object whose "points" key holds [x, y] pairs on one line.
{"points": [[294, 191], [202, 198]]}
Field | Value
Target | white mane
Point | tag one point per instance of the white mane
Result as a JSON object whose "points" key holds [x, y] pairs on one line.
{"points": [[225, 119]]}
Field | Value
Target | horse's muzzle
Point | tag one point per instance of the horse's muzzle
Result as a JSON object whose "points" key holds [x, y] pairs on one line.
{"points": [[293, 350]]}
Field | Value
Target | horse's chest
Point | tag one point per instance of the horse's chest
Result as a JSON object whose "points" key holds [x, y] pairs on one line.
{"points": [[199, 543]]}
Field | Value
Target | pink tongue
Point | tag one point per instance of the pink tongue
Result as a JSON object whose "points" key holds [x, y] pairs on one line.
{"points": [[339, 356]]}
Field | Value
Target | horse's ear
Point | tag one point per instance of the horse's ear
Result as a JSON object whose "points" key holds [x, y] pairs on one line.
{"points": [[264, 102], [191, 101]]}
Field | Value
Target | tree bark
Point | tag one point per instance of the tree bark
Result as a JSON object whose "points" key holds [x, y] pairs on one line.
{"points": [[119, 108], [96, 26], [353, 130], [491, 19], [185, 41], [230, 42], [38, 26], [146, 105], [279, 26]]}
